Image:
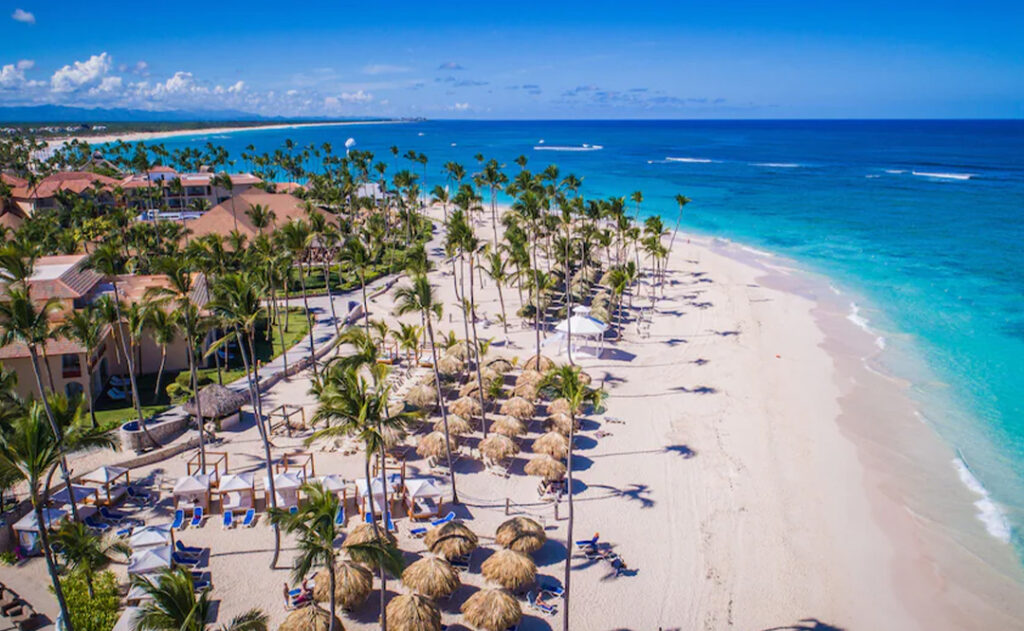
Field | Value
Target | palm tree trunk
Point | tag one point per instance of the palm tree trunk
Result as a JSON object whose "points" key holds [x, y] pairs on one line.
{"points": [[65, 472], [504, 316], [49, 371], [160, 371], [51, 567], [366, 303], [131, 373], [330, 297], [536, 301], [309, 318], [332, 598], [88, 395], [385, 518], [566, 580], [444, 413], [194, 376], [376, 532], [476, 351]]}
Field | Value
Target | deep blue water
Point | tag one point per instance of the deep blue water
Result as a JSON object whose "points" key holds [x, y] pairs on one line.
{"points": [[937, 257]]}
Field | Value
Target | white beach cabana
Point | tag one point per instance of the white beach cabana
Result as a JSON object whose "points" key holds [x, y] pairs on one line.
{"points": [[237, 491], [150, 560], [151, 537], [581, 325], [83, 495], [113, 480], [191, 491], [422, 498], [286, 487], [128, 620], [363, 492], [27, 528]]}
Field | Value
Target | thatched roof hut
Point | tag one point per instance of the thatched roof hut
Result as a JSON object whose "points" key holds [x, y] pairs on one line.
{"points": [[432, 445], [352, 584], [431, 576], [499, 365], [459, 350], [544, 363], [498, 447], [311, 618], [545, 467], [509, 426], [527, 391], [509, 568], [521, 534], [531, 377], [492, 609], [364, 533], [560, 423], [553, 444], [467, 407], [449, 365], [518, 407], [472, 389], [421, 396], [451, 540], [217, 401], [412, 612], [457, 426], [561, 406]]}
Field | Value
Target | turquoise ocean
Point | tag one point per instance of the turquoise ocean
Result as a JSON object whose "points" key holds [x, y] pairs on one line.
{"points": [[920, 222]]}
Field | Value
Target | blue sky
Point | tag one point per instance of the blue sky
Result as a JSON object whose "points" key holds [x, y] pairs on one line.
{"points": [[521, 60]]}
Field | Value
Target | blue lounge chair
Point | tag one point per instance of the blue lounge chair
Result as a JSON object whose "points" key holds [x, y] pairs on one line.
{"points": [[550, 586], [293, 510], [588, 543], [96, 524], [124, 532], [179, 520], [139, 496], [391, 525], [339, 517], [197, 517], [444, 520], [368, 518], [187, 550], [111, 515], [541, 607], [181, 559], [418, 532], [229, 519], [250, 518]]}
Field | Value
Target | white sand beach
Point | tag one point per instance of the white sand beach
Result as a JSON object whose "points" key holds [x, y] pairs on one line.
{"points": [[750, 469]]}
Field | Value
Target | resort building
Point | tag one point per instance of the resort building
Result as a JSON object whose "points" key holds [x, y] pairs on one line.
{"points": [[234, 214], [179, 191], [43, 194]]}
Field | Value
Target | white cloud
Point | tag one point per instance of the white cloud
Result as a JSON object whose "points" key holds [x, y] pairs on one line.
{"points": [[358, 96], [21, 15], [11, 77], [180, 82], [25, 64], [374, 69], [139, 68], [81, 73], [109, 85], [238, 87], [461, 107]]}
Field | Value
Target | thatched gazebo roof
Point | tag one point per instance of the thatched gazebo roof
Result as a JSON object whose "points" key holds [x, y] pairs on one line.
{"points": [[459, 350], [412, 612], [363, 533], [421, 396], [489, 375], [497, 447], [431, 576], [492, 609], [521, 534], [457, 426], [499, 365], [216, 401], [509, 426], [449, 365], [553, 444], [467, 407], [527, 391], [560, 423], [432, 445], [451, 540], [509, 568], [352, 584], [531, 377], [311, 618], [545, 467], [545, 363], [561, 406], [472, 388], [518, 407]]}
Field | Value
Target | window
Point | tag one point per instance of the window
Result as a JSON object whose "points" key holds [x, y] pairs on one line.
{"points": [[71, 365]]}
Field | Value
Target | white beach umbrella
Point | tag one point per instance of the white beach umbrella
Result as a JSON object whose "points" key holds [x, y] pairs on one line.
{"points": [[51, 516], [421, 487], [150, 536], [150, 560], [196, 483], [286, 481], [104, 475], [332, 482], [236, 482]]}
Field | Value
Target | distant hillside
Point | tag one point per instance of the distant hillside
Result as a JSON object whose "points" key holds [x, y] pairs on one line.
{"points": [[64, 114]]}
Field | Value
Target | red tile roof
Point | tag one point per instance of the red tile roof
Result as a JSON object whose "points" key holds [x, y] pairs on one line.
{"points": [[220, 220], [54, 348], [74, 181], [62, 277]]}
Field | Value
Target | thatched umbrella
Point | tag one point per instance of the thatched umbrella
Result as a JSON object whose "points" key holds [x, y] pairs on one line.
{"points": [[560, 423], [352, 584], [509, 426], [560, 406], [492, 609], [431, 576], [600, 313], [585, 378], [531, 377], [472, 388], [509, 568], [451, 540], [421, 396], [527, 391], [412, 612], [497, 447], [217, 401], [450, 365], [552, 444], [545, 364], [432, 445], [364, 533], [457, 426], [518, 407], [467, 407], [521, 534], [459, 350], [500, 365], [311, 618], [489, 375], [546, 467]]}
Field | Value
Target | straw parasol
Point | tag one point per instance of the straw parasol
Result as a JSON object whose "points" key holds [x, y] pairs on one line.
{"points": [[518, 407], [412, 612], [472, 389], [521, 534], [458, 350], [432, 445], [467, 407], [457, 426], [531, 377], [509, 568], [497, 447], [527, 391], [560, 406], [552, 444], [449, 365], [311, 618], [216, 401], [363, 533], [451, 540], [585, 378], [509, 426], [352, 584], [421, 396], [499, 365], [492, 609], [546, 467], [431, 576], [545, 363], [560, 423]]}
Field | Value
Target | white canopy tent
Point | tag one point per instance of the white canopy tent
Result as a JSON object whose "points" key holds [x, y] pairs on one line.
{"points": [[27, 528], [286, 487], [422, 498], [113, 480], [581, 325], [363, 492], [151, 536], [81, 493], [193, 490], [150, 560], [237, 491]]}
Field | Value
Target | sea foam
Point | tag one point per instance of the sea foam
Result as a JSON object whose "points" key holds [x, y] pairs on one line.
{"points": [[777, 165], [944, 176], [583, 147], [862, 323], [990, 513], [694, 160]]}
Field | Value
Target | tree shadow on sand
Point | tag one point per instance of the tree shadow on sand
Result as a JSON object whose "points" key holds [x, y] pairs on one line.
{"points": [[632, 492], [807, 624]]}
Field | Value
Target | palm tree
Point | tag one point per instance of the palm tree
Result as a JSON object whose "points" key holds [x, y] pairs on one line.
{"points": [[494, 179], [86, 327], [681, 201], [315, 530], [356, 254], [164, 326], [223, 180], [294, 236], [261, 216], [408, 338], [172, 605], [328, 238], [565, 382], [83, 551], [419, 297]]}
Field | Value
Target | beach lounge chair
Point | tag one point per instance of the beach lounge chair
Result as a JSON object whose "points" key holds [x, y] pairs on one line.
{"points": [[250, 518], [229, 519], [125, 532], [550, 586], [197, 517], [539, 606], [182, 559], [141, 497], [119, 382], [96, 524], [588, 543], [179, 520], [116, 394], [339, 517], [391, 525], [418, 533], [187, 550], [444, 520], [200, 586], [293, 510]]}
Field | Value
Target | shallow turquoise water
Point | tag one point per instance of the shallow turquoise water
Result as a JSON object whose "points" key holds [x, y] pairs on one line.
{"points": [[923, 219]]}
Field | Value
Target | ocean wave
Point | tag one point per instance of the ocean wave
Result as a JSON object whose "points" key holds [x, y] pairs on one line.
{"points": [[694, 160], [895, 171], [944, 176], [989, 513], [777, 165], [583, 147], [862, 323]]}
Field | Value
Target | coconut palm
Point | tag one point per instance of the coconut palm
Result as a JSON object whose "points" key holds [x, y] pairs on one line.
{"points": [[681, 201], [418, 297], [164, 326], [294, 236], [359, 257], [497, 269], [172, 605], [85, 327], [86, 552], [223, 180]]}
